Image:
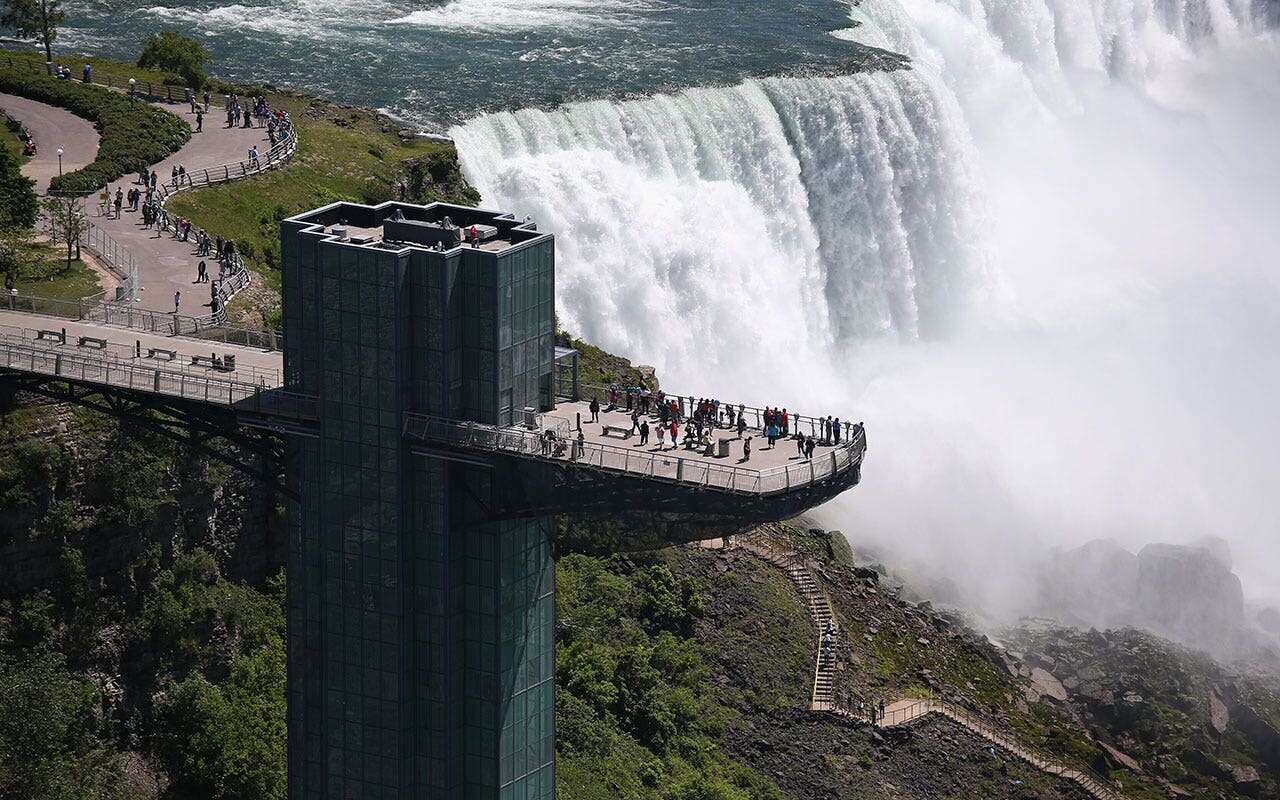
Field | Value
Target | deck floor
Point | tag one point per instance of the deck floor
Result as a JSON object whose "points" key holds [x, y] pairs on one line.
{"points": [[783, 453]]}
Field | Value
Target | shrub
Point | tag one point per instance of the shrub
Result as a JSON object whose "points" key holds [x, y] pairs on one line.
{"points": [[134, 134], [174, 52], [17, 193]]}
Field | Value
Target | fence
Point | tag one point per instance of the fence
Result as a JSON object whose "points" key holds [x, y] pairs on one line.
{"points": [[122, 353], [797, 423], [168, 381], [522, 442], [94, 310], [147, 90], [238, 274], [1091, 781]]}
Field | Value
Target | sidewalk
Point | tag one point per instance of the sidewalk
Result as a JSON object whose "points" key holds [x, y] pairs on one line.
{"points": [[165, 264], [52, 128]]}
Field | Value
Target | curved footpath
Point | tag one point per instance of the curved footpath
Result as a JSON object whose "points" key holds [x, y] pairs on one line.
{"points": [[52, 128], [165, 264]]}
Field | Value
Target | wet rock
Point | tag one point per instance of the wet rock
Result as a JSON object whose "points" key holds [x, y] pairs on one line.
{"points": [[1047, 685]]}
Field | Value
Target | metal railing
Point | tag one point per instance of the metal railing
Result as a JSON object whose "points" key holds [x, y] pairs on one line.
{"points": [[796, 423], [1090, 780], [162, 380], [148, 90], [122, 352], [237, 276], [95, 310], [696, 471]]}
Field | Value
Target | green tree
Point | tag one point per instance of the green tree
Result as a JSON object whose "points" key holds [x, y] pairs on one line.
{"points": [[50, 745], [34, 19], [18, 202], [178, 53], [67, 222], [16, 260], [227, 742]]}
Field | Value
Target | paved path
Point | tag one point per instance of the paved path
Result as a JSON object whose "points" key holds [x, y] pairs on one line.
{"points": [[253, 365], [165, 264], [52, 128]]}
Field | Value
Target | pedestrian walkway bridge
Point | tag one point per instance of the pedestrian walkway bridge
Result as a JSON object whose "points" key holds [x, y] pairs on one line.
{"points": [[247, 384]]}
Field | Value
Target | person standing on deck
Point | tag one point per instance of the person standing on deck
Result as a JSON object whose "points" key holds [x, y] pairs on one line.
{"points": [[199, 120], [746, 448], [675, 435], [177, 301], [595, 410]]}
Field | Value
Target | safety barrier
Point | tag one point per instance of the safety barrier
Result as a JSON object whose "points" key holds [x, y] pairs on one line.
{"points": [[238, 274], [169, 381], [797, 423], [123, 352], [527, 443]]}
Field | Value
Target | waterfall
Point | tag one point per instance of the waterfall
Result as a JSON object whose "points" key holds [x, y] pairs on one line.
{"points": [[781, 215], [1040, 264]]}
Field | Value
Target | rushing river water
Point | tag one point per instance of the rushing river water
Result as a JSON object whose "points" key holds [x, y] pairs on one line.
{"points": [[1041, 264], [438, 62]]}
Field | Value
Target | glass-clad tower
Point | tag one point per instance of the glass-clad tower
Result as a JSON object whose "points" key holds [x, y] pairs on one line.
{"points": [[420, 631]]}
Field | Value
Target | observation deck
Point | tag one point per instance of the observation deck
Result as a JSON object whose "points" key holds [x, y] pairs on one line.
{"points": [[250, 388], [428, 431]]}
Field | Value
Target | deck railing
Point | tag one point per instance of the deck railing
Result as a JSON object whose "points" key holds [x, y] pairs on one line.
{"points": [[122, 354], [168, 380], [96, 311], [797, 423], [662, 466]]}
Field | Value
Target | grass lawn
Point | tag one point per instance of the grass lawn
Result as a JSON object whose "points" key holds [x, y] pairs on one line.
{"points": [[344, 154], [49, 275], [103, 68], [9, 128]]}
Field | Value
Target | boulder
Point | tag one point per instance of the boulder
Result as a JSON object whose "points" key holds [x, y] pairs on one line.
{"points": [[1219, 715], [1047, 685]]}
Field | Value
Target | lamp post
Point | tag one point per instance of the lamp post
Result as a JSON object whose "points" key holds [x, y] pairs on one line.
{"points": [[59, 162], [132, 83]]}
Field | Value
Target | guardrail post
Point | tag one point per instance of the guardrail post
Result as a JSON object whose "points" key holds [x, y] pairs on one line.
{"points": [[679, 469]]}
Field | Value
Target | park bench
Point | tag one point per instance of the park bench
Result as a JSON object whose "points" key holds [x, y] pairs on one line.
{"points": [[160, 352], [618, 431], [58, 336], [215, 361], [93, 341]]}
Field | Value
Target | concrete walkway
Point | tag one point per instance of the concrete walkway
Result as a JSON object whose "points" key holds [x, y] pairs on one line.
{"points": [[166, 265], [52, 128]]}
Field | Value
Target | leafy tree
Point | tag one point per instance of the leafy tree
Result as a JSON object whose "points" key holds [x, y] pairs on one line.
{"points": [[67, 222], [175, 52], [18, 202], [228, 742], [49, 737], [34, 19]]}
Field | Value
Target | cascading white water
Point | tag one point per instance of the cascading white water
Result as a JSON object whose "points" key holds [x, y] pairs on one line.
{"points": [[783, 215], [1040, 264]]}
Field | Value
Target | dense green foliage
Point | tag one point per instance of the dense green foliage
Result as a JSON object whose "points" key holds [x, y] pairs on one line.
{"points": [[34, 19], [633, 714], [17, 193], [134, 134], [171, 51]]}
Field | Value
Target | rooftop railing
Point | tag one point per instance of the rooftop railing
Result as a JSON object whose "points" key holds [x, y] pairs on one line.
{"points": [[662, 466]]}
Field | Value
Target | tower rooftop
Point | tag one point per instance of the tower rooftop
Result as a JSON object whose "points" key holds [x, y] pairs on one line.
{"points": [[438, 227]]}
